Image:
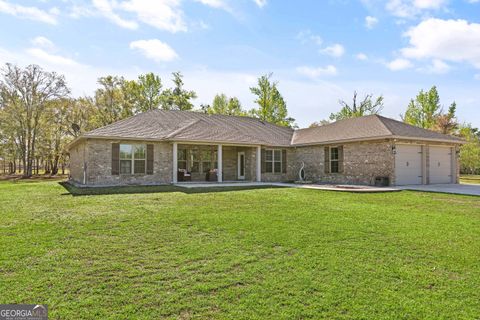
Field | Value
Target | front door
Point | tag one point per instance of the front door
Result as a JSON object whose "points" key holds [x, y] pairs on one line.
{"points": [[241, 166]]}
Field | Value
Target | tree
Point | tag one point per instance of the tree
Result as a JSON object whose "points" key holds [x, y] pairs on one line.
{"points": [[366, 107], [79, 116], [143, 94], [223, 105], [111, 101], [271, 105], [319, 123], [25, 94], [447, 123], [177, 98], [424, 109], [470, 151]]}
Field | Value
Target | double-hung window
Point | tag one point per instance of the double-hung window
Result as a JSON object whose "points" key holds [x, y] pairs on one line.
{"points": [[273, 160], [334, 157], [132, 158], [182, 159]]}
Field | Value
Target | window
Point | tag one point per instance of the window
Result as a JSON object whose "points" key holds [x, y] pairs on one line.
{"points": [[182, 159], [194, 161], [206, 160], [273, 161], [132, 158], [334, 167]]}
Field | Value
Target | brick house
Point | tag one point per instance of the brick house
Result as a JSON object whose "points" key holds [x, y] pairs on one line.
{"points": [[163, 147]]}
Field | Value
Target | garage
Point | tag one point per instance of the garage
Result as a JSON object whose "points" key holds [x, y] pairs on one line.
{"points": [[408, 165], [440, 165]]}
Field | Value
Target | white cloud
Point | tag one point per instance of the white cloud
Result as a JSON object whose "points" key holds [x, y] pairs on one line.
{"points": [[399, 64], [54, 59], [336, 50], [437, 67], [450, 40], [154, 49], [411, 8], [314, 73], [219, 4], [307, 36], [361, 56], [106, 9], [31, 13], [43, 42], [260, 3], [370, 22], [161, 14], [429, 4]]}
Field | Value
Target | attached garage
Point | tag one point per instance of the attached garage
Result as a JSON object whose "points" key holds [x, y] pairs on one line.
{"points": [[440, 165], [408, 165]]}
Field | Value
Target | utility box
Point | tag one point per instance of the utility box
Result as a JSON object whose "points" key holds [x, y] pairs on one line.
{"points": [[382, 181]]}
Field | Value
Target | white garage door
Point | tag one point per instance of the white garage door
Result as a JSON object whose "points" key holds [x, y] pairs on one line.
{"points": [[408, 165], [440, 168]]}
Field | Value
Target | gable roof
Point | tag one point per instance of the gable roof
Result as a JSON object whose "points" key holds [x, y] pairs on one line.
{"points": [[366, 128], [195, 126]]}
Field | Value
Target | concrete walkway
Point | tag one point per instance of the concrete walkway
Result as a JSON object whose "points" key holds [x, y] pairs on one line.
{"points": [[466, 189]]}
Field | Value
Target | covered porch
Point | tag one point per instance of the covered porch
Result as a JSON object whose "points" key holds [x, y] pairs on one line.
{"points": [[200, 163]]}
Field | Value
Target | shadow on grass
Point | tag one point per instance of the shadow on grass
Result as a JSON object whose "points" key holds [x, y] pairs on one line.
{"points": [[76, 191]]}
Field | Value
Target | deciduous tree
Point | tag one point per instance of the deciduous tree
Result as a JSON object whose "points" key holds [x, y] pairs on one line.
{"points": [[365, 107], [271, 105]]}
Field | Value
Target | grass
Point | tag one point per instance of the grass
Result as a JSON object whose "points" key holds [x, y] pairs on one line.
{"points": [[475, 179], [161, 253]]}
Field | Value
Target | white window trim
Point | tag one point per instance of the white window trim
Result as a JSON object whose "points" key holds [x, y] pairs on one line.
{"points": [[273, 161], [133, 145], [336, 160]]}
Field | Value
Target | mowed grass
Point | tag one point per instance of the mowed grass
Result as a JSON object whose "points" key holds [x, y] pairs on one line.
{"points": [[472, 179], [248, 254]]}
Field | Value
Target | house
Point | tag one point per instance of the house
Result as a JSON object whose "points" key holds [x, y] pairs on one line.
{"points": [[162, 147]]}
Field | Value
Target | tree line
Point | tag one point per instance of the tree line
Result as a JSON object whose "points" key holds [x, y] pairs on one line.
{"points": [[39, 116]]}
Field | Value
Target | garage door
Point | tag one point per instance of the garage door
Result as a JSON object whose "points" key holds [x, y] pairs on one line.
{"points": [[408, 165], [440, 168]]}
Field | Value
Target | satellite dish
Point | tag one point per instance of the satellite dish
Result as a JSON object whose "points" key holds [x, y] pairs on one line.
{"points": [[75, 127]]}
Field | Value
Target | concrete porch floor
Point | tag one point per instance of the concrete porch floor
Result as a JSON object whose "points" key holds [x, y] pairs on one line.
{"points": [[344, 188]]}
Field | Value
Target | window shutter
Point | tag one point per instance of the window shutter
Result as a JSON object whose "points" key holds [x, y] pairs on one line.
{"points": [[115, 159], [284, 161], [327, 159], [263, 160], [340, 159], [149, 158]]}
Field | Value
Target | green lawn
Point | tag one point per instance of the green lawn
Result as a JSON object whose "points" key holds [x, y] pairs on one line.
{"points": [[247, 254], [470, 179]]}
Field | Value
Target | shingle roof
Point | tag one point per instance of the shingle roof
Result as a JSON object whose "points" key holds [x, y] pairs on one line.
{"points": [[196, 126], [368, 127], [201, 127]]}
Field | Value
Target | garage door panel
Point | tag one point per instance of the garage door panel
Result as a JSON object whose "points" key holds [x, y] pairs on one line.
{"points": [[408, 165], [440, 165]]}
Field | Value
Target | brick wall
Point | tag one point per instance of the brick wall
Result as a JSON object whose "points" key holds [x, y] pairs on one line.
{"points": [[363, 161]]}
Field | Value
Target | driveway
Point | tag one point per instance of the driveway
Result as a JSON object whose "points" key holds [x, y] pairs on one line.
{"points": [[467, 189]]}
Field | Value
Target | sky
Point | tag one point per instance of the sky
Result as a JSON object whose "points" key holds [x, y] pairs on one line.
{"points": [[318, 51]]}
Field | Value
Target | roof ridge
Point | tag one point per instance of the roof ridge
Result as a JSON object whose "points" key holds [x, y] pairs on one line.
{"points": [[381, 118]]}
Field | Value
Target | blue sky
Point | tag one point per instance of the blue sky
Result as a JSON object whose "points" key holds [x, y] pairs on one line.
{"points": [[319, 51]]}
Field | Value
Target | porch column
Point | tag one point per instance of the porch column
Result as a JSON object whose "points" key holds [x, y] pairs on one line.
{"points": [[259, 164], [219, 161], [175, 163]]}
